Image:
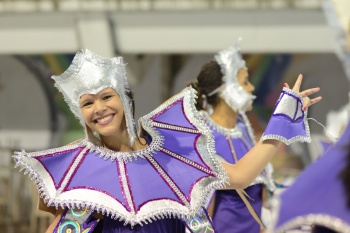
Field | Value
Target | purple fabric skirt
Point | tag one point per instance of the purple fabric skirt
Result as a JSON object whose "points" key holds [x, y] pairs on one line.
{"points": [[231, 214], [169, 225]]}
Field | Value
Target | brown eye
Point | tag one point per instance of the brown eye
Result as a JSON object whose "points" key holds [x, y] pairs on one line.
{"points": [[87, 104], [107, 97]]}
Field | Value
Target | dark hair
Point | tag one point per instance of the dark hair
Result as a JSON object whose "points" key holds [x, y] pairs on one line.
{"points": [[208, 79], [345, 177], [130, 95]]}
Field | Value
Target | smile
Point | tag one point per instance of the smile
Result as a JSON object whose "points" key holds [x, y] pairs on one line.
{"points": [[104, 120]]}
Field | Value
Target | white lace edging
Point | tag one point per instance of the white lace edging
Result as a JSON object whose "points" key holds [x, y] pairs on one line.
{"points": [[152, 148], [285, 140], [231, 133]]}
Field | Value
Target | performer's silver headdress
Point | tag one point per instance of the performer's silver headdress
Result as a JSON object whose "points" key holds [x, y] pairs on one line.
{"points": [[90, 73], [231, 61]]}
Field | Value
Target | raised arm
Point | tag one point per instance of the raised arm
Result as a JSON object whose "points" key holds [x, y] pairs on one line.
{"points": [[243, 173]]}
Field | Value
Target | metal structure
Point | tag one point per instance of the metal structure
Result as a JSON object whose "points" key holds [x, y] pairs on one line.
{"points": [[151, 5]]}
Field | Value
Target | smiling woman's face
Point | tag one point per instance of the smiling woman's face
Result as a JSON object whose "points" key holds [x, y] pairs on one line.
{"points": [[103, 112]]}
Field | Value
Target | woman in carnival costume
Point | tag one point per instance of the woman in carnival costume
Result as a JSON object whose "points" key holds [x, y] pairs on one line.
{"points": [[157, 182], [225, 95]]}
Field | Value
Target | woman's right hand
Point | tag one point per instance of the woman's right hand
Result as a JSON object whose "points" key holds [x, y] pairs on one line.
{"points": [[243, 173]]}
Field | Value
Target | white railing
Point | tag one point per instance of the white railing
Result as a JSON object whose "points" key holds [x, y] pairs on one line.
{"points": [[18, 6]]}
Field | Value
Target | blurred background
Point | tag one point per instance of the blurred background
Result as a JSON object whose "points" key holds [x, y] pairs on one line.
{"points": [[164, 43]]}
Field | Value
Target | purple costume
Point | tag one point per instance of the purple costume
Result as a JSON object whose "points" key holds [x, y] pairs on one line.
{"points": [[230, 213], [144, 187]]}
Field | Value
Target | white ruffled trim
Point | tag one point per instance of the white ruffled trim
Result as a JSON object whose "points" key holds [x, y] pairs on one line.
{"points": [[153, 147], [105, 153], [285, 140], [231, 133]]}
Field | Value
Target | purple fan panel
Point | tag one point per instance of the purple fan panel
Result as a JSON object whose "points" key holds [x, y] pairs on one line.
{"points": [[182, 143], [57, 164], [319, 189], [146, 184], [184, 175], [281, 125], [96, 173], [173, 116]]}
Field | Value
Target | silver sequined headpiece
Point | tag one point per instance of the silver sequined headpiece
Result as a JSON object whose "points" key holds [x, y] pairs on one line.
{"points": [[231, 61], [90, 73]]}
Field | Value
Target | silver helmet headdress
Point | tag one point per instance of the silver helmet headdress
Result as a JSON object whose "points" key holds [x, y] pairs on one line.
{"points": [[230, 60], [90, 73]]}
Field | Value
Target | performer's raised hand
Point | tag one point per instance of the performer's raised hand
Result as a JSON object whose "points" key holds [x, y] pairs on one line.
{"points": [[306, 93]]}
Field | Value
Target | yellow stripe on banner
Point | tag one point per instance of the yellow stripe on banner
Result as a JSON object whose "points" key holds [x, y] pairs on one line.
{"points": [[254, 60], [53, 63]]}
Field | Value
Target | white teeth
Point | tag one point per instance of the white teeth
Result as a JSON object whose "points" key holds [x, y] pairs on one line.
{"points": [[105, 119]]}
